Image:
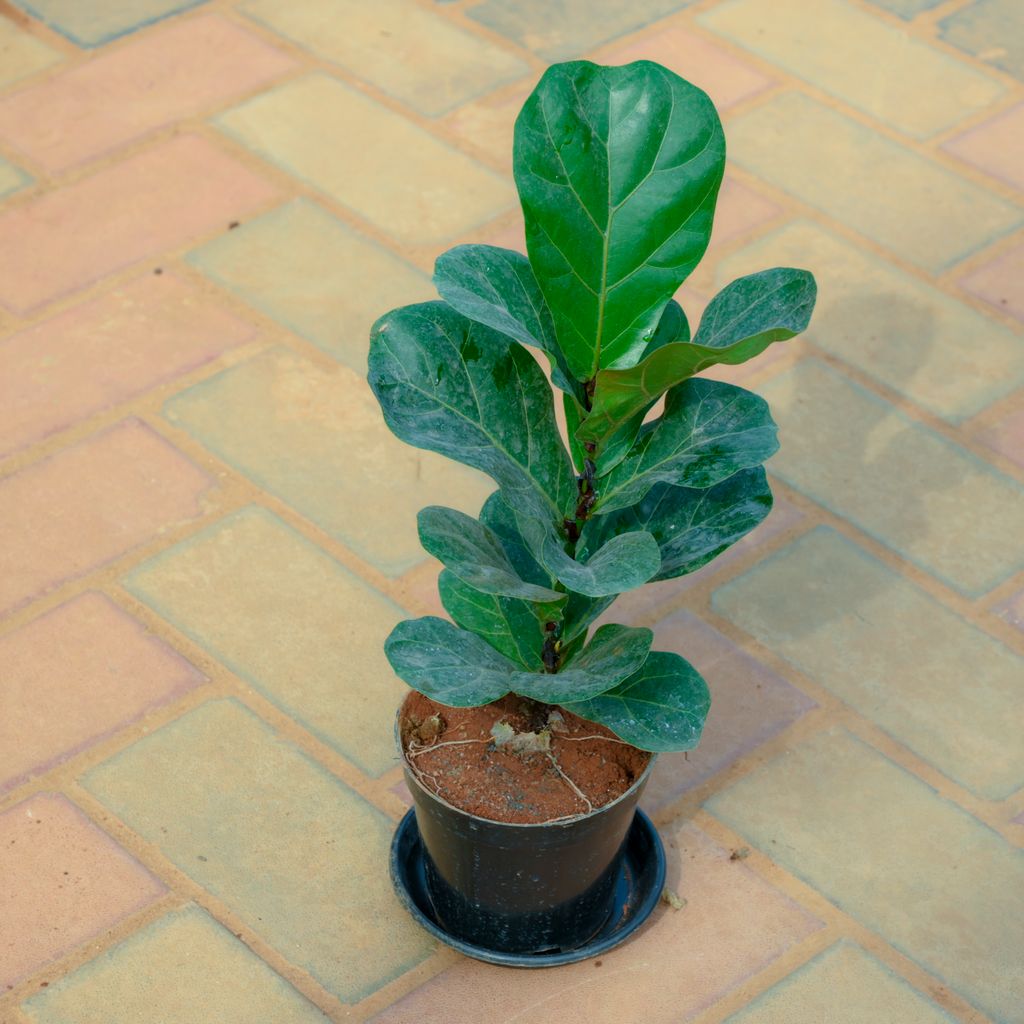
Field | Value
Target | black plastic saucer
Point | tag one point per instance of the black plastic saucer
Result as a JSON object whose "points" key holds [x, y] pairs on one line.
{"points": [[637, 891]]}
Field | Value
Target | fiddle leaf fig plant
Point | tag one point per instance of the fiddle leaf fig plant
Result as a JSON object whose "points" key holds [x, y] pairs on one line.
{"points": [[618, 171]]}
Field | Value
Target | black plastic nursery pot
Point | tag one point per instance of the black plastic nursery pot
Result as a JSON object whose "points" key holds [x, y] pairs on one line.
{"points": [[528, 894]]}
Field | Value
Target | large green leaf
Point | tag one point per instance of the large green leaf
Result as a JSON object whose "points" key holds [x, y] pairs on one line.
{"points": [[462, 389], [613, 654], [741, 322], [625, 562], [709, 431], [458, 668], [448, 664], [474, 553], [661, 708], [618, 170], [691, 525], [496, 287], [508, 624]]}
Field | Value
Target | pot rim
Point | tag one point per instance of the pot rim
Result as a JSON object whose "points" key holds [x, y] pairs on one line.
{"points": [[556, 823]]}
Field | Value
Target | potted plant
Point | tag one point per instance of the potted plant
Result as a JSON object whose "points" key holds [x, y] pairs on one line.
{"points": [[530, 734]]}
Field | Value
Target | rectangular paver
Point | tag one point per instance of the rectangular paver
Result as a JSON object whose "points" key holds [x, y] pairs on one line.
{"points": [[288, 847], [316, 275], [370, 159], [77, 674], [732, 926], [122, 94], [91, 503], [912, 338], [152, 201], [316, 439], [870, 183], [900, 481], [99, 21], [570, 27], [749, 704], [63, 881], [11, 178], [415, 55], [22, 53], [107, 351], [992, 30], [843, 985], [291, 621], [847, 52], [181, 969], [937, 683], [998, 282], [995, 146], [885, 848]]}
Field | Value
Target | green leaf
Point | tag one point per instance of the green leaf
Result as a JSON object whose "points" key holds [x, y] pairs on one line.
{"points": [[458, 668], [624, 563], [618, 170], [448, 664], [464, 390], [574, 416], [613, 654], [496, 287], [741, 322], [661, 708], [474, 553], [612, 448], [692, 526], [506, 623], [709, 431]]}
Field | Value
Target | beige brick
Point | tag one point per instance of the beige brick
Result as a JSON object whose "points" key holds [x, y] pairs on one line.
{"points": [[370, 159], [412, 53], [851, 54], [290, 621], [22, 54], [290, 849]]}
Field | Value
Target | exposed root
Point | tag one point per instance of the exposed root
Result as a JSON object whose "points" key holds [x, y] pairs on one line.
{"points": [[416, 751], [572, 785], [594, 736]]}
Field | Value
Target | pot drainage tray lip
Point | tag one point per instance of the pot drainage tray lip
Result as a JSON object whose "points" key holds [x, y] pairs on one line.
{"points": [[637, 891]]}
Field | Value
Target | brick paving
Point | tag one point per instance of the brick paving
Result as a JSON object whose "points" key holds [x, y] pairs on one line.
{"points": [[206, 531]]}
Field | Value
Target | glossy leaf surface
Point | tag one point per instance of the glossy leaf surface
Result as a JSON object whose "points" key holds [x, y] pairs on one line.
{"points": [[496, 287], [691, 526], [474, 553], [458, 668], [507, 624], [462, 389], [661, 708], [623, 563], [740, 322], [618, 170], [709, 431]]}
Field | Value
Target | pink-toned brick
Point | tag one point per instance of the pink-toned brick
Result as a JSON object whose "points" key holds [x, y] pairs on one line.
{"points": [[1000, 282], [65, 516], [488, 124], [1007, 437], [732, 926], [107, 351], [749, 704], [740, 209], [77, 674], [1012, 610], [117, 96], [63, 881], [156, 200], [997, 146], [722, 76]]}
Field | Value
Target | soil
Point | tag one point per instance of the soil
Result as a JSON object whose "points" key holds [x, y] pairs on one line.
{"points": [[452, 753]]}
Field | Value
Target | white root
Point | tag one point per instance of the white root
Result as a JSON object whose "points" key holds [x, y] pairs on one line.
{"points": [[572, 785]]}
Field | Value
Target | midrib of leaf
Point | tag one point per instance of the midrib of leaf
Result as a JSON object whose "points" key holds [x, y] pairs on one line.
{"points": [[718, 329], [474, 423], [641, 469]]}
